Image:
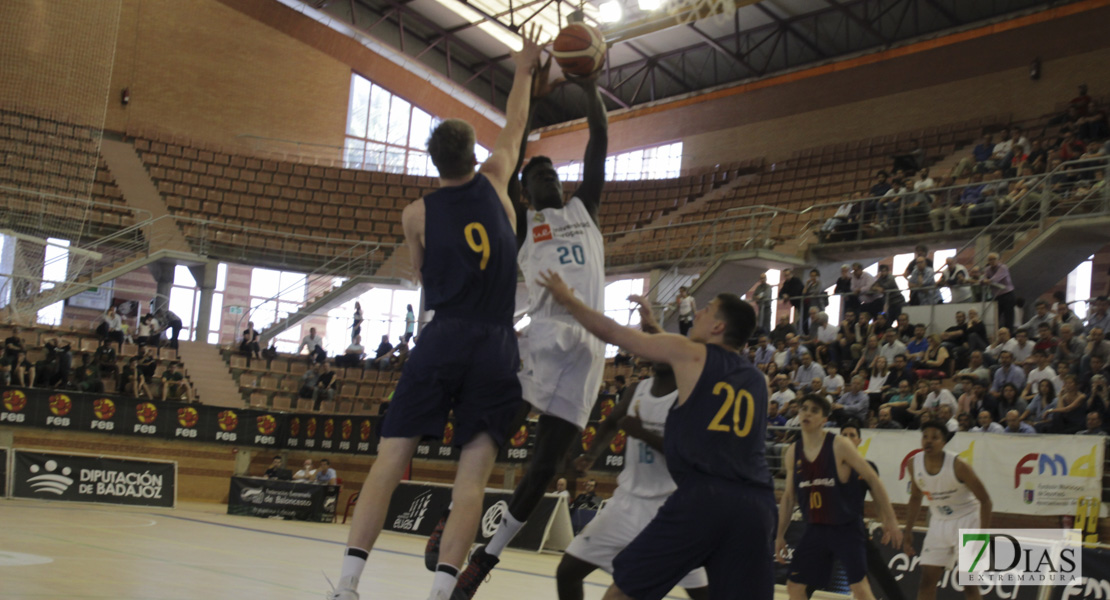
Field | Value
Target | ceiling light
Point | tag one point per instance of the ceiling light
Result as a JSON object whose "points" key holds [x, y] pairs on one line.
{"points": [[472, 16], [610, 12], [649, 5]]}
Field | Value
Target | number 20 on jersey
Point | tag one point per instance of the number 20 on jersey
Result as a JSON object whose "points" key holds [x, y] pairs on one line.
{"points": [[739, 406]]}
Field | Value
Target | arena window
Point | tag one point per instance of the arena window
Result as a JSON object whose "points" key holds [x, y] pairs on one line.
{"points": [[657, 162], [387, 133], [617, 306], [1079, 286], [289, 288], [55, 266], [185, 302], [383, 313]]}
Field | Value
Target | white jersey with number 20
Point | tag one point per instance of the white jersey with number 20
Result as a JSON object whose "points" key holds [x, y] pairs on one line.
{"points": [[567, 241]]}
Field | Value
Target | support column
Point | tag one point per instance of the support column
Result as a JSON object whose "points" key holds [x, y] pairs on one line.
{"points": [[205, 276], [162, 272], [982, 248]]}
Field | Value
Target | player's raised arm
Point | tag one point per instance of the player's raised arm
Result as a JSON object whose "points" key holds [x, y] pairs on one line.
{"points": [[786, 505], [498, 167], [666, 348], [593, 163], [848, 452], [967, 476]]}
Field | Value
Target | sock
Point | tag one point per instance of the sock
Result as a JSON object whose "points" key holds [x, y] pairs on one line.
{"points": [[444, 583], [505, 534], [354, 561]]}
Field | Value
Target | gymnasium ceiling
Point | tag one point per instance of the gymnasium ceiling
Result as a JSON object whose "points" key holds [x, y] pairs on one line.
{"points": [[683, 47]]}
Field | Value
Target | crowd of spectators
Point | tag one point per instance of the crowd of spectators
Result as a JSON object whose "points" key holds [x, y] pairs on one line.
{"points": [[102, 371], [998, 177]]}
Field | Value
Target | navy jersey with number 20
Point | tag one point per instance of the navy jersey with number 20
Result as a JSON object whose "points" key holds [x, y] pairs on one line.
{"points": [[720, 430], [469, 268]]}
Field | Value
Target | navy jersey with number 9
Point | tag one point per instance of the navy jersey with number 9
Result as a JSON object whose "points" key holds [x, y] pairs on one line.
{"points": [[469, 268], [720, 430]]}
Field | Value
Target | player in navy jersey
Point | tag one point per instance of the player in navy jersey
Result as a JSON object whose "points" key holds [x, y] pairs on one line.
{"points": [[818, 475], [722, 514], [462, 242]]}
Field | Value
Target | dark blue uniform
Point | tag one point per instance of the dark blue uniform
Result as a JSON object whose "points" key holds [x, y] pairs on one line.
{"points": [[466, 360], [833, 512], [722, 516]]}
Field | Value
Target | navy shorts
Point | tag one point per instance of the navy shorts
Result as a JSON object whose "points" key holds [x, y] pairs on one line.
{"points": [[726, 527], [466, 367], [821, 545]]}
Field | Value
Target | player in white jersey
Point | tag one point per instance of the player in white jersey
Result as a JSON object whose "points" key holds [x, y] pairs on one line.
{"points": [[561, 363], [957, 500], [642, 487]]}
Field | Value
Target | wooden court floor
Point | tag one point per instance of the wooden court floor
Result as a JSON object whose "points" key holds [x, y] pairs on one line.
{"points": [[85, 552]]}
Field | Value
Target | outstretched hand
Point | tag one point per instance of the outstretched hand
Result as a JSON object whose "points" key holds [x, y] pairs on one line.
{"points": [[529, 55], [560, 291], [542, 84], [893, 536]]}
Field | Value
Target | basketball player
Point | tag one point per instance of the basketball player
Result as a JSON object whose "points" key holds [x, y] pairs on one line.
{"points": [[722, 513], [642, 486], [821, 481], [957, 500], [562, 364], [461, 241]]}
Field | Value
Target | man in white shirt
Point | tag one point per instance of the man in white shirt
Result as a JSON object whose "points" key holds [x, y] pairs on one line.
{"points": [[940, 396], [783, 393], [1023, 348], [306, 474], [1002, 343], [863, 298], [944, 415], [891, 346], [987, 424], [315, 345], [1042, 316], [1041, 372], [353, 355]]}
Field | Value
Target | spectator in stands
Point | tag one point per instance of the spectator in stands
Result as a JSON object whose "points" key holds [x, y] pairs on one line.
{"points": [[145, 333], [684, 306], [840, 219], [172, 322], [275, 470], [132, 383], [1071, 406], [1082, 102], [980, 155], [853, 403], [561, 489], [1045, 342], [400, 356], [1098, 397], [1042, 316], [1015, 425], [250, 343], [1064, 316], [1097, 367], [867, 355], [833, 382], [791, 290], [917, 345], [326, 475], [886, 421], [1094, 424], [807, 371], [986, 423], [174, 385], [954, 277], [764, 353], [87, 376], [21, 372], [877, 378], [923, 281], [882, 185], [814, 293], [938, 394], [148, 364], [1040, 405], [384, 348], [1096, 346], [1093, 126], [783, 330], [353, 355], [892, 297], [59, 354], [14, 343], [315, 346], [1010, 399], [761, 296], [106, 359], [588, 499], [1007, 373], [782, 393], [844, 282], [110, 327], [891, 346], [325, 385], [356, 321], [410, 323], [1042, 370], [1100, 317], [974, 398], [1022, 349], [307, 473], [863, 298], [997, 276], [935, 365], [944, 414]]}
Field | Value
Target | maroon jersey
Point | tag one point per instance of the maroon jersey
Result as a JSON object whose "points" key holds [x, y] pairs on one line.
{"points": [[823, 497]]}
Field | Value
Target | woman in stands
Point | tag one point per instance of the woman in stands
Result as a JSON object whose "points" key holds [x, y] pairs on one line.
{"points": [[1010, 400], [1070, 413], [935, 365], [1040, 404]]}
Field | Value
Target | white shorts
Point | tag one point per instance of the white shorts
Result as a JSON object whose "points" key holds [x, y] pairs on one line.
{"points": [[622, 519], [561, 369], [942, 541]]}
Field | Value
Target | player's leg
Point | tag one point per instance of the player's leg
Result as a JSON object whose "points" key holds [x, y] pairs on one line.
{"points": [[475, 465], [554, 437], [570, 574], [614, 593], [861, 590], [930, 576]]}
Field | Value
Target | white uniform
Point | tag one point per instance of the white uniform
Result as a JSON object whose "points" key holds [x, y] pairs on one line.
{"points": [[561, 363], [953, 508], [642, 487]]}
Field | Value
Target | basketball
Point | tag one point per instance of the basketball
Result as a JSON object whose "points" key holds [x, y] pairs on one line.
{"points": [[579, 49]]}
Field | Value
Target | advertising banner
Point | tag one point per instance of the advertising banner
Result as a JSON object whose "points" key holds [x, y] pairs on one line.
{"points": [[416, 508], [101, 479], [290, 500], [1025, 474], [1095, 583]]}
